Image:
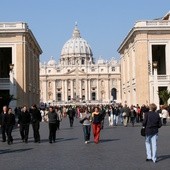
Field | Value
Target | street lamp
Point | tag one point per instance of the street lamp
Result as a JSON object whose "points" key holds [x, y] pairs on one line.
{"points": [[156, 97], [11, 77]]}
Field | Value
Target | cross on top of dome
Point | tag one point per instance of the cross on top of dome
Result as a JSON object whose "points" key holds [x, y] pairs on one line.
{"points": [[76, 32]]}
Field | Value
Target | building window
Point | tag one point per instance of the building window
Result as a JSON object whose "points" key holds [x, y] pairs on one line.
{"points": [[58, 70], [59, 97], [82, 61], [113, 68], [93, 96], [49, 71], [68, 70], [101, 70]]}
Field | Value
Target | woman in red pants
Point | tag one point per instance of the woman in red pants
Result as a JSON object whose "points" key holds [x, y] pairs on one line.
{"points": [[96, 124]]}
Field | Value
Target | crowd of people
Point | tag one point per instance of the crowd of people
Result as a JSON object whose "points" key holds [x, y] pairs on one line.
{"points": [[90, 116]]}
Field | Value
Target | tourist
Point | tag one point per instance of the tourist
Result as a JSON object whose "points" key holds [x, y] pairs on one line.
{"points": [[132, 115], [71, 114], [85, 117], [52, 119], [164, 114], [24, 119], [35, 120], [96, 124], [9, 120], [2, 123], [151, 123]]}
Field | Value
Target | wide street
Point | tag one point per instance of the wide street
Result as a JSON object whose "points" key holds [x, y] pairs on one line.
{"points": [[119, 148]]}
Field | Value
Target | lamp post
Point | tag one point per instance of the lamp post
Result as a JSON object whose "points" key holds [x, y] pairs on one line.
{"points": [[11, 77], [156, 97]]}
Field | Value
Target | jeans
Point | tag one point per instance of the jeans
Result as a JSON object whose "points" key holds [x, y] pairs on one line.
{"points": [[86, 130], [151, 147]]}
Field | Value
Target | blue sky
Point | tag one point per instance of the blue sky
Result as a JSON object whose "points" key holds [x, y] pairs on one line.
{"points": [[103, 23]]}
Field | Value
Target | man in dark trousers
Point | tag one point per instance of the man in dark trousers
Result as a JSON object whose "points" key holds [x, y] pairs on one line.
{"points": [[2, 123], [71, 114], [35, 120], [24, 119]]}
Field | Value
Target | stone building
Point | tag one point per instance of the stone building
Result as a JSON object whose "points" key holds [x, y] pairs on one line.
{"points": [[145, 61], [19, 64], [76, 77]]}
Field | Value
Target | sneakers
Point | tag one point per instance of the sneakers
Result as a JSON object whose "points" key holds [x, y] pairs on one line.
{"points": [[85, 142]]}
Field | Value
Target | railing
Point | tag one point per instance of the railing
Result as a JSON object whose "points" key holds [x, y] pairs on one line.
{"points": [[161, 78], [4, 81], [153, 23], [12, 25]]}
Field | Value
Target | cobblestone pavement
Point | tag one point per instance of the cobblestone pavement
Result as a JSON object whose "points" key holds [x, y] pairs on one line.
{"points": [[119, 148]]}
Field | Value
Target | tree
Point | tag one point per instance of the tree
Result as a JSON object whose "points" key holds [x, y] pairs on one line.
{"points": [[164, 95]]}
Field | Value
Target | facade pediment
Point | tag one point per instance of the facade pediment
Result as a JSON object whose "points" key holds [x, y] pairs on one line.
{"points": [[73, 72]]}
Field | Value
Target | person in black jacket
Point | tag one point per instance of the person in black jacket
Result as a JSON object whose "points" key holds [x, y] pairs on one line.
{"points": [[35, 120], [71, 114], [52, 117], [2, 123], [24, 119], [151, 123], [9, 120]]}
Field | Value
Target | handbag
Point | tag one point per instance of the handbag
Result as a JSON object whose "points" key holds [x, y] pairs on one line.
{"points": [[82, 120], [142, 132], [124, 114]]}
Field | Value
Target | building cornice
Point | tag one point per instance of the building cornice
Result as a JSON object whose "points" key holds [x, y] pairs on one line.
{"points": [[153, 25]]}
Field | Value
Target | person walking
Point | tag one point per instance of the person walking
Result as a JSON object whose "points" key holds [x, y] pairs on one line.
{"points": [[9, 120], [2, 123], [52, 119], [85, 116], [24, 119], [164, 114], [35, 120], [71, 114], [96, 124], [126, 114], [151, 123]]}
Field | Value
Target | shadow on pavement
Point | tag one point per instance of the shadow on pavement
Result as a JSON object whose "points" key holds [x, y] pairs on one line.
{"points": [[108, 140], [163, 157], [5, 151]]}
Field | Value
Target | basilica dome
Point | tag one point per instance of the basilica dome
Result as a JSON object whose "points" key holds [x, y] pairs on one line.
{"points": [[76, 47], [51, 62]]}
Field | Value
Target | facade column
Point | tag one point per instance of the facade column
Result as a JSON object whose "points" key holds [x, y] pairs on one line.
{"points": [[63, 90], [86, 89], [72, 89], [118, 90], [97, 90], [109, 91], [54, 91], [89, 89], [80, 89], [66, 90]]}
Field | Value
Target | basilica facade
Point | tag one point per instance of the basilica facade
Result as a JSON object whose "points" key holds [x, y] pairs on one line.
{"points": [[77, 77]]}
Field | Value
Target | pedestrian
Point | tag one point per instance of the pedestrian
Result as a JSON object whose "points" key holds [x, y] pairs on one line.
{"points": [[126, 114], [9, 120], [164, 114], [132, 115], [24, 119], [71, 114], [85, 116], [2, 123], [59, 117], [96, 124], [110, 115], [35, 120], [52, 119], [151, 123]]}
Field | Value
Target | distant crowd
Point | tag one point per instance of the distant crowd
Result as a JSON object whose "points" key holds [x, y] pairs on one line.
{"points": [[89, 115]]}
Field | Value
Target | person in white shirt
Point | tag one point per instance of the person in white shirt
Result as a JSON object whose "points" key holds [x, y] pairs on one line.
{"points": [[164, 114]]}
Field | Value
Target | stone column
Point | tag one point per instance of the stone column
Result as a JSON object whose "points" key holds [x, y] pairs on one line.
{"points": [[66, 89], [89, 89], [72, 89], [86, 89], [63, 90], [80, 89]]}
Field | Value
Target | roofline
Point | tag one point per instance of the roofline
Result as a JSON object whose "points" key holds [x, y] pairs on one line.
{"points": [[142, 26]]}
